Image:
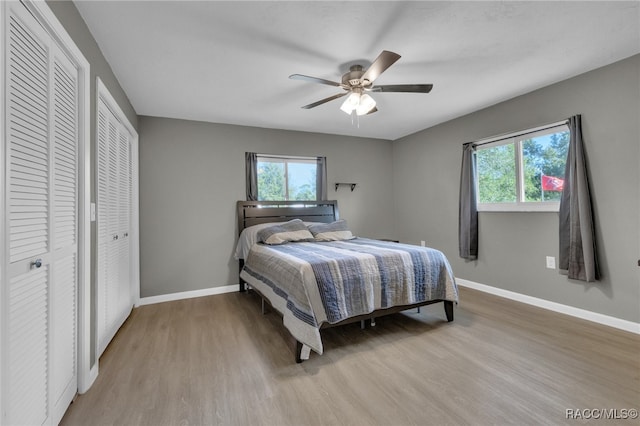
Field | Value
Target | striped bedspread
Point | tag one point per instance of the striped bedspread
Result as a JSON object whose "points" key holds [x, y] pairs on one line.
{"points": [[311, 283]]}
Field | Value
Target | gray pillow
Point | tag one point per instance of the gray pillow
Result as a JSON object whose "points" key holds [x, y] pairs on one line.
{"points": [[334, 231], [294, 230]]}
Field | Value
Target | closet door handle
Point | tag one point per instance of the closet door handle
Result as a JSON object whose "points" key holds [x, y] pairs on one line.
{"points": [[36, 264], [115, 237]]}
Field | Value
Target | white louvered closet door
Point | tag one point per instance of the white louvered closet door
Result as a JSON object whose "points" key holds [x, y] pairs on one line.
{"points": [[63, 329], [39, 343], [115, 298], [125, 300]]}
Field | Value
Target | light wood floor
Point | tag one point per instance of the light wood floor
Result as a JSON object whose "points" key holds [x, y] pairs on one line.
{"points": [[217, 360]]}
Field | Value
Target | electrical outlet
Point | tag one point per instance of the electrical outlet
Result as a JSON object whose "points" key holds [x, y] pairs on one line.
{"points": [[551, 262], [423, 243]]}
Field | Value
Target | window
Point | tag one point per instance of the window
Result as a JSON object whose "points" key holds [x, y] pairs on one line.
{"points": [[524, 172], [287, 178]]}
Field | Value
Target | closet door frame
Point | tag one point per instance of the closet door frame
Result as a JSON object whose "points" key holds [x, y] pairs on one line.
{"points": [[87, 373]]}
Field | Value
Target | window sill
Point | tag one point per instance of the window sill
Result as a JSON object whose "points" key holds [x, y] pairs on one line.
{"points": [[520, 207]]}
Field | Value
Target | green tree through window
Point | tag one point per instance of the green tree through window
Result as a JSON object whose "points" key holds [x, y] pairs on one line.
{"points": [[271, 181], [497, 174]]}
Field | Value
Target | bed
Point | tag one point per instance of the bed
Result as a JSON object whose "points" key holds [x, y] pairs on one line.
{"points": [[317, 284]]}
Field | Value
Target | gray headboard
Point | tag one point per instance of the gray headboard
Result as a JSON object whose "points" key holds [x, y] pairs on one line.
{"points": [[255, 212]]}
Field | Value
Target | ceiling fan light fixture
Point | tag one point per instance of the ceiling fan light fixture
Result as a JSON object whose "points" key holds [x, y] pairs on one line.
{"points": [[367, 103], [359, 102], [351, 103]]}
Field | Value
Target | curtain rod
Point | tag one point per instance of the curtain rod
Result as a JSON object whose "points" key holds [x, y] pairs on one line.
{"points": [[296, 157], [516, 134]]}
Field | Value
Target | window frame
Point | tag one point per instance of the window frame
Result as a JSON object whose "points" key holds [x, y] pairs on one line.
{"points": [[517, 139], [286, 159]]}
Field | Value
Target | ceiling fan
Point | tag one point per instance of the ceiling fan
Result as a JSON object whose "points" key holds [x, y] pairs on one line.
{"points": [[358, 81]]}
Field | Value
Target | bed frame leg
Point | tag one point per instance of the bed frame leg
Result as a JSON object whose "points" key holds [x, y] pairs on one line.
{"points": [[448, 310], [298, 352], [243, 287]]}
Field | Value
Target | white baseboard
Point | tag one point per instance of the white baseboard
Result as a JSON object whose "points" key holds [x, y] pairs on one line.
{"points": [[186, 295], [618, 323]]}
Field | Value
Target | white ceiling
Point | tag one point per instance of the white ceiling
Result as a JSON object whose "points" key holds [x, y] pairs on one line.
{"points": [[229, 62]]}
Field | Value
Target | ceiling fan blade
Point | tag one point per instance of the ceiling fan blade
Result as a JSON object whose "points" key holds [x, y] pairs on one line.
{"points": [[314, 80], [325, 100], [406, 88], [379, 65]]}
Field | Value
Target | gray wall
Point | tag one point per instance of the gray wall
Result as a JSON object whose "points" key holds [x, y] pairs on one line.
{"points": [[192, 174], [70, 18], [513, 246]]}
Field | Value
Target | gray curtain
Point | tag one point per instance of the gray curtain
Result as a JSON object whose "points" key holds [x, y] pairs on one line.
{"points": [[578, 254], [251, 172], [468, 211], [321, 179]]}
